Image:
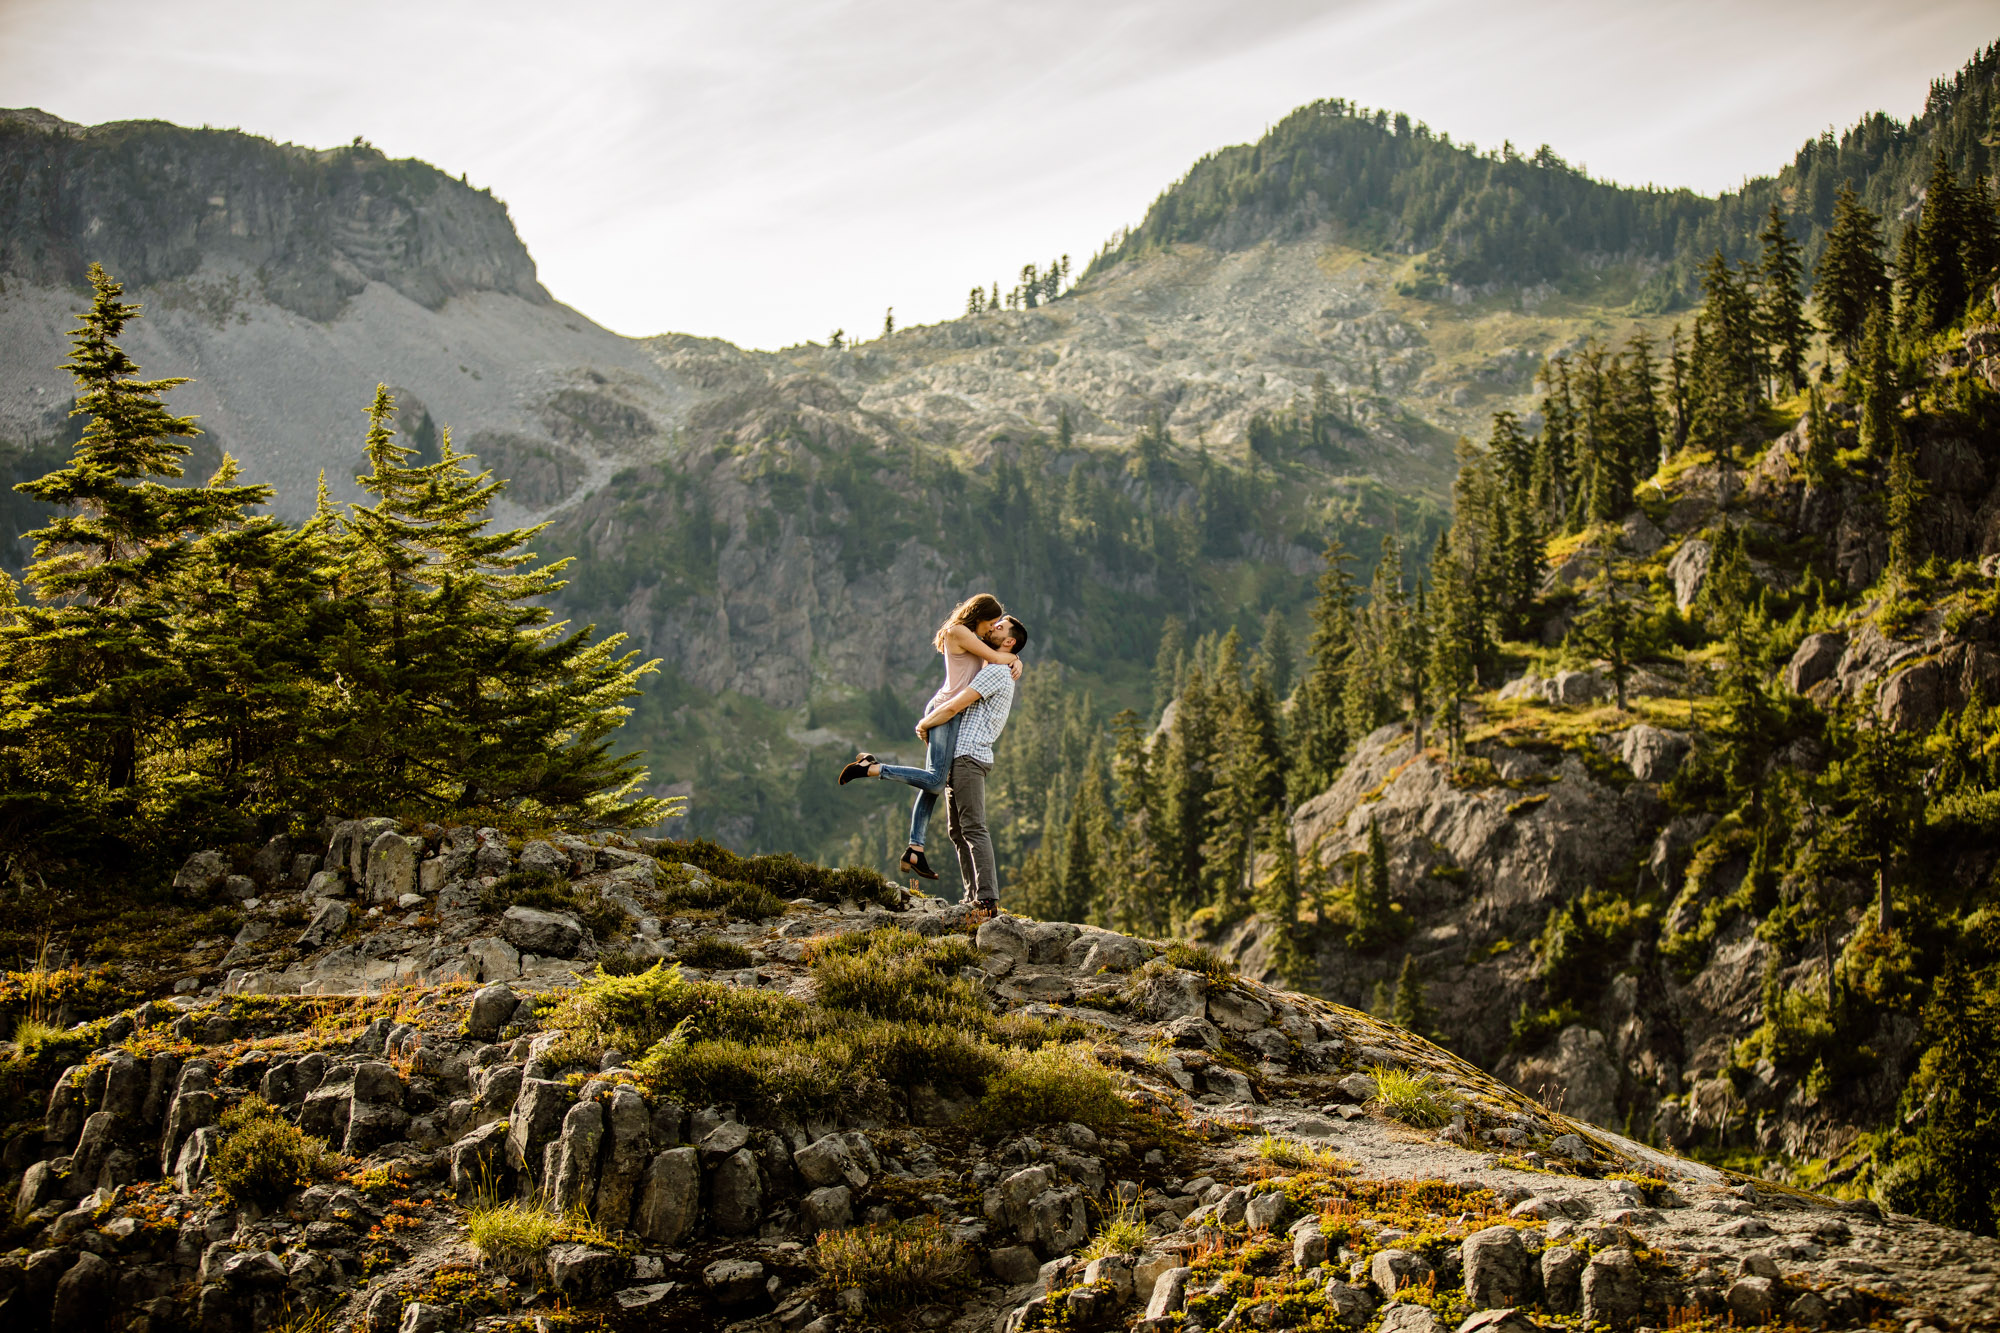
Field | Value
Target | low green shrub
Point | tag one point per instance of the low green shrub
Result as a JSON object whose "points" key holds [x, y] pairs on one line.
{"points": [[546, 891], [895, 974], [264, 1157], [1123, 1231], [781, 873], [685, 894], [895, 1263], [714, 952], [1055, 1085]]}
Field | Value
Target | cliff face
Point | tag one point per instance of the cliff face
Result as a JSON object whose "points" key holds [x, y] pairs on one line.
{"points": [[155, 203]]}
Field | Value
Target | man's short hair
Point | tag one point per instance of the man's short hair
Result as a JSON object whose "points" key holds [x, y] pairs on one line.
{"points": [[1018, 632]]}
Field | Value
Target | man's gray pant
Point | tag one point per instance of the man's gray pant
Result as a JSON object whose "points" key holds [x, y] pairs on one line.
{"points": [[965, 802]]}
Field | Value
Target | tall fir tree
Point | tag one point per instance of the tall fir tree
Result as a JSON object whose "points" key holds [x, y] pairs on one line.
{"points": [[1781, 302], [1852, 278]]}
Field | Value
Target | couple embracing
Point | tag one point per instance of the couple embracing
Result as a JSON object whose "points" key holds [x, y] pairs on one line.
{"points": [[981, 644]]}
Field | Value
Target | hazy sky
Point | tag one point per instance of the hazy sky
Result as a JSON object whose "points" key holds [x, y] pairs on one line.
{"points": [[766, 171]]}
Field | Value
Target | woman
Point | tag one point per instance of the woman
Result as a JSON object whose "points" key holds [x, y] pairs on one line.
{"points": [[962, 640]]}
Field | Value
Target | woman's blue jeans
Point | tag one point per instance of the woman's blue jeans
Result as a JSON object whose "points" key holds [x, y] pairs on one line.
{"points": [[929, 780]]}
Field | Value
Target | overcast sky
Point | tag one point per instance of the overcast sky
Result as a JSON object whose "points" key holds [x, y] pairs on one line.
{"points": [[765, 171]]}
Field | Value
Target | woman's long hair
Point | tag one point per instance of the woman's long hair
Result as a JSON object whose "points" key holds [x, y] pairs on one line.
{"points": [[971, 611]]}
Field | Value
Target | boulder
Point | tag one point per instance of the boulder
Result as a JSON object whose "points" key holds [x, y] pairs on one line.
{"points": [[734, 1281], [1360, 1087], [202, 874], [1351, 1306], [1499, 1321], [1653, 754], [549, 934], [1917, 696], [492, 1007], [1266, 1212], [1308, 1246], [1497, 1271], [1003, 936], [827, 1209], [1689, 570], [328, 924], [544, 857], [534, 1121], [1390, 1270], [1168, 1295], [1754, 1300], [423, 1317], [1613, 1292], [829, 1161], [1237, 1012], [83, 1296], [479, 1160], [1048, 940], [1578, 687], [191, 1163], [1099, 951], [583, 1273], [1016, 1265], [669, 1196], [1400, 1318], [736, 1194]]}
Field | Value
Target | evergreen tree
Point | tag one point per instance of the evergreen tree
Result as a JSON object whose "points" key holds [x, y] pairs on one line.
{"points": [[1411, 1011], [1135, 878], [1904, 510], [1276, 653], [1782, 307], [97, 682], [1677, 393], [1878, 387], [1169, 663], [1457, 642], [1936, 284], [888, 321], [1319, 728], [1724, 371], [1958, 1145], [1819, 456], [1373, 916], [1607, 625], [461, 690], [1852, 279]]}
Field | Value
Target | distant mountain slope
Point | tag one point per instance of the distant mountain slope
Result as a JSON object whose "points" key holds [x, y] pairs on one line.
{"points": [[1510, 215]]}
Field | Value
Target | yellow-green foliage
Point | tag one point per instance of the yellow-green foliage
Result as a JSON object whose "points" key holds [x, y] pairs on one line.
{"points": [[264, 1157], [890, 1013], [1055, 1085], [895, 1263], [1414, 1099], [1200, 958], [781, 875], [1281, 1151], [511, 1233], [1122, 1232]]}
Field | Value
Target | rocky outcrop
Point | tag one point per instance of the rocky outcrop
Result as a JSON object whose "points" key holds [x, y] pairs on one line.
{"points": [[443, 1099]]}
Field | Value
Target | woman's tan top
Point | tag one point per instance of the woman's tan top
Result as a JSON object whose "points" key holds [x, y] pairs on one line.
{"points": [[959, 669]]}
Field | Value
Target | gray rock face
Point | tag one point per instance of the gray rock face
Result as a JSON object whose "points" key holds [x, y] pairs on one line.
{"points": [[1497, 1270], [1754, 1300], [1613, 1291], [1579, 1074], [1689, 570], [550, 934], [670, 1196], [537, 1115], [831, 1161], [576, 1173], [479, 1161], [83, 1295], [1576, 688], [392, 867], [628, 1147], [1815, 661]]}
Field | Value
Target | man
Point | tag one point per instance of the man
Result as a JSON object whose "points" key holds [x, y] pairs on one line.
{"points": [[984, 702]]}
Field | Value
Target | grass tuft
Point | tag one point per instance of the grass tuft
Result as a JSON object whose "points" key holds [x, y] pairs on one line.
{"points": [[895, 1263], [513, 1233], [1294, 1155], [1415, 1099], [1121, 1232]]}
